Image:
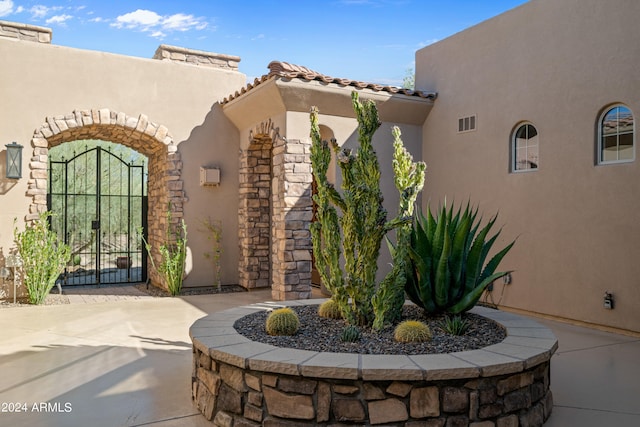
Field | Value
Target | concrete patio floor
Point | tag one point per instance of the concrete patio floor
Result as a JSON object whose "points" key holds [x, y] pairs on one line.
{"points": [[117, 358]]}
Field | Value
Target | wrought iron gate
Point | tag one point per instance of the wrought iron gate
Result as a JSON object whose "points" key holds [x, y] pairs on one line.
{"points": [[99, 203]]}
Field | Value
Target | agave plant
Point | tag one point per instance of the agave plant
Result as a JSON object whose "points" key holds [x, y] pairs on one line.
{"points": [[447, 272]]}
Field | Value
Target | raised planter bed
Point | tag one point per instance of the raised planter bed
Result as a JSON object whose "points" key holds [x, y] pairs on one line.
{"points": [[237, 382]]}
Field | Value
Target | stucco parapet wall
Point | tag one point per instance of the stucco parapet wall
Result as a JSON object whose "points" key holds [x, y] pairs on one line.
{"points": [[196, 57], [32, 33], [527, 345]]}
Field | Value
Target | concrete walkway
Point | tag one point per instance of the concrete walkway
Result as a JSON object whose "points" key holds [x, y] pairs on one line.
{"points": [[110, 359]]}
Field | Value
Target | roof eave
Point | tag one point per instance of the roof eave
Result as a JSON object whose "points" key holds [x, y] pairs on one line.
{"points": [[280, 94]]}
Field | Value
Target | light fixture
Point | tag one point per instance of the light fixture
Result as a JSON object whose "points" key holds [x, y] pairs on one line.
{"points": [[14, 160]]}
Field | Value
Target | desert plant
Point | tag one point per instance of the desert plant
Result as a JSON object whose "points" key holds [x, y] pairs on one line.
{"points": [[76, 260], [282, 321], [409, 180], [448, 271], [412, 331], [173, 254], [356, 234], [455, 325], [43, 257], [330, 309], [350, 333]]}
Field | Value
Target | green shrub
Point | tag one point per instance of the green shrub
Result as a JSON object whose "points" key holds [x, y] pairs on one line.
{"points": [[283, 321], [350, 333], [330, 309], [43, 257], [412, 331], [173, 254], [447, 271], [455, 325]]}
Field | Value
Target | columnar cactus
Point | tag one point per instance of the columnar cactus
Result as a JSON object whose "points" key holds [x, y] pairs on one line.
{"points": [[358, 231]]}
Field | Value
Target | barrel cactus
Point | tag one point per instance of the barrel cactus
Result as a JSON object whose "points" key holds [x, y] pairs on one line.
{"points": [[330, 309], [283, 321], [350, 333], [412, 331]]}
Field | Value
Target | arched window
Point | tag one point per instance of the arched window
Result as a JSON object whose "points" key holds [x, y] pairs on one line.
{"points": [[616, 136], [525, 148]]}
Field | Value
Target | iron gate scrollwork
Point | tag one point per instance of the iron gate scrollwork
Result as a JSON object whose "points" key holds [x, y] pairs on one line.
{"points": [[99, 203]]}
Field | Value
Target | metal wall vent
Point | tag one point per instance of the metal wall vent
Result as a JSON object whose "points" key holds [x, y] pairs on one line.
{"points": [[467, 124]]}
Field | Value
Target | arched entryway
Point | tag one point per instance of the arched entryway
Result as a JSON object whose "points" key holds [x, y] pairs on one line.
{"points": [[165, 186], [98, 192], [274, 214]]}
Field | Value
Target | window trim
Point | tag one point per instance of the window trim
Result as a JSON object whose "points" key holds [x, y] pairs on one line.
{"points": [[599, 159], [514, 148]]}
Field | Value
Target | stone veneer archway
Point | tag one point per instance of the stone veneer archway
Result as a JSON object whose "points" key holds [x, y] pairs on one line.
{"points": [[164, 186], [275, 213]]}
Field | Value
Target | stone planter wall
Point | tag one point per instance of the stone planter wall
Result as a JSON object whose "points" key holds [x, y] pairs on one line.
{"points": [[238, 382]]}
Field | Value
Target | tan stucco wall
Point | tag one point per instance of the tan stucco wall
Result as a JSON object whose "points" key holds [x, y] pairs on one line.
{"points": [[41, 80], [556, 64]]}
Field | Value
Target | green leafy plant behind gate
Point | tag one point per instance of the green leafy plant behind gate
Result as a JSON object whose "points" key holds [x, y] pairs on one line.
{"points": [[43, 257], [351, 224], [448, 272], [173, 254]]}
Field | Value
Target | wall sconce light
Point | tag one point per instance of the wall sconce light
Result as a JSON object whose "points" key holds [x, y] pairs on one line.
{"points": [[14, 160], [209, 176]]}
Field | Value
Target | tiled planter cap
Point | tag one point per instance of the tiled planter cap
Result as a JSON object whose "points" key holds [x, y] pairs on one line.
{"points": [[527, 345]]}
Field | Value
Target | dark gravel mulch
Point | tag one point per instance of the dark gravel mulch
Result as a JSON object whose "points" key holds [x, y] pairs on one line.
{"points": [[320, 334]]}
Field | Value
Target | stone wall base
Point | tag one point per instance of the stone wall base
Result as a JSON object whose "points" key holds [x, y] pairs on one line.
{"points": [[233, 397]]}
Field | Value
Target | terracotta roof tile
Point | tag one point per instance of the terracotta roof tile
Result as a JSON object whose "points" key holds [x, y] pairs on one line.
{"points": [[292, 71]]}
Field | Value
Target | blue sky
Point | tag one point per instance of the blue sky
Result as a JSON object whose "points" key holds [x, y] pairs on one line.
{"points": [[368, 40]]}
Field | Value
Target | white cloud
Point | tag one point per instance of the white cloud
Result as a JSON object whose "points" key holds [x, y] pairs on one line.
{"points": [[58, 19], [182, 22], [159, 26], [6, 7], [40, 11], [143, 19]]}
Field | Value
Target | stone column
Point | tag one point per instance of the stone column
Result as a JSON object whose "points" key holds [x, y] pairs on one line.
{"points": [[274, 215], [255, 214], [292, 214]]}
